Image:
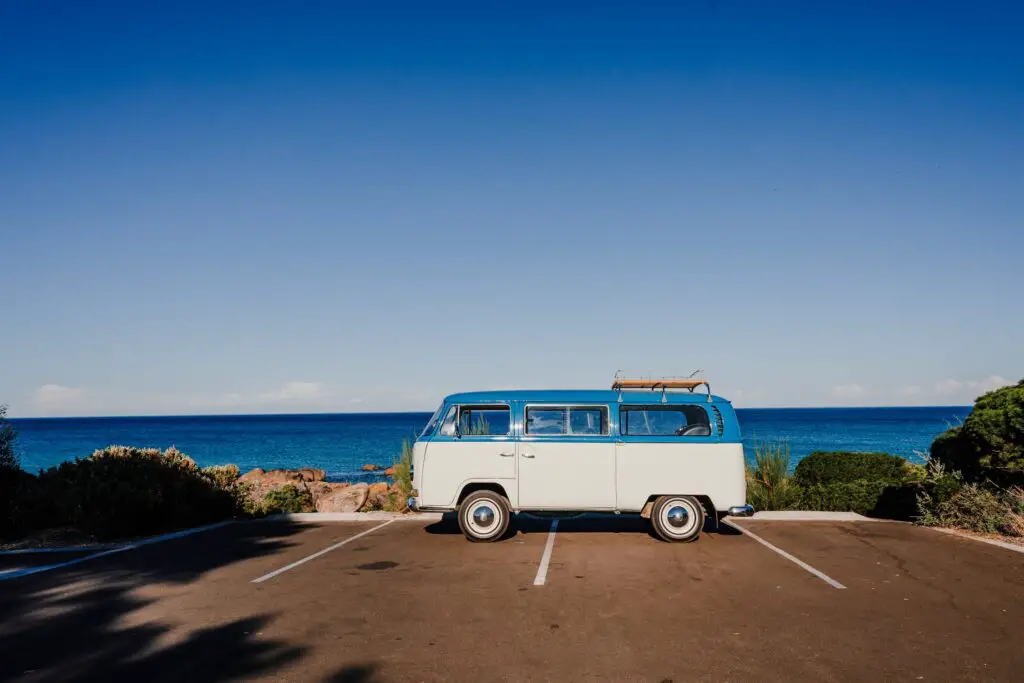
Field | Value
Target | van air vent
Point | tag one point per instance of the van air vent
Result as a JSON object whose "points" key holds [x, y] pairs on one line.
{"points": [[719, 422]]}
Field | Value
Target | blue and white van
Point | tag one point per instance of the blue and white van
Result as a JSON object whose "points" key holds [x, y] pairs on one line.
{"points": [[653, 447]]}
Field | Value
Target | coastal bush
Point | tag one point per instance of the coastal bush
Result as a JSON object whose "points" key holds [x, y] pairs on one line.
{"points": [[972, 507], [222, 476], [123, 491], [402, 477], [835, 467], [990, 442], [862, 496], [769, 485], [8, 437], [288, 498], [1015, 518], [14, 482]]}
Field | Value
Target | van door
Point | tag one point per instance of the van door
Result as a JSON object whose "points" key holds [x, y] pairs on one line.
{"points": [[566, 458], [473, 444]]}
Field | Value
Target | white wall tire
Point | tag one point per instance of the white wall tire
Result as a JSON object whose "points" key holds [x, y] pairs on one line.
{"points": [[677, 519], [484, 516]]}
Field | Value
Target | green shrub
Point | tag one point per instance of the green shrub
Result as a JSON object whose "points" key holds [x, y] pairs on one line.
{"points": [[837, 467], [769, 486], [222, 476], [990, 442], [288, 498], [860, 496], [123, 491], [11, 479], [8, 437]]}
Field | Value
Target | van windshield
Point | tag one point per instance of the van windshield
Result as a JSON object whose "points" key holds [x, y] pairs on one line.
{"points": [[432, 422]]}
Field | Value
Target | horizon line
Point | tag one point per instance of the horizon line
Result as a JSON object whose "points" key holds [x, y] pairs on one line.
{"points": [[428, 412]]}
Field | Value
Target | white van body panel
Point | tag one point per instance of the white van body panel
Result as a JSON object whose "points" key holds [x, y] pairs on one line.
{"points": [[566, 476], [645, 469], [450, 465], [419, 453]]}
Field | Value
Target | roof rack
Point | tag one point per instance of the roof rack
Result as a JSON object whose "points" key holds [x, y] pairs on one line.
{"points": [[665, 384]]}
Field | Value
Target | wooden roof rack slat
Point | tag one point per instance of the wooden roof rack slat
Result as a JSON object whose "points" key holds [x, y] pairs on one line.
{"points": [[690, 384]]}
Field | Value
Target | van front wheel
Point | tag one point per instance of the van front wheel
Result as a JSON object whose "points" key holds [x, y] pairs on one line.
{"points": [[484, 516], [677, 518]]}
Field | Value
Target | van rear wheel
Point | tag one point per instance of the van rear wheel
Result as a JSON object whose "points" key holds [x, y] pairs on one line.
{"points": [[677, 519], [484, 516]]}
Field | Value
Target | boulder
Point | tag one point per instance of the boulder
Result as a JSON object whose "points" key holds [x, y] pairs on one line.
{"points": [[323, 488], [390, 472], [263, 482], [370, 468], [342, 498], [310, 474]]}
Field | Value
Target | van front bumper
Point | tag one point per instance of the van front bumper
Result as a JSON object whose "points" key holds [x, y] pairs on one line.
{"points": [[741, 511]]}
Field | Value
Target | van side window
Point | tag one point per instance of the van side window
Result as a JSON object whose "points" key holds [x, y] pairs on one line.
{"points": [[484, 420], [664, 420], [566, 420], [545, 421], [588, 420]]}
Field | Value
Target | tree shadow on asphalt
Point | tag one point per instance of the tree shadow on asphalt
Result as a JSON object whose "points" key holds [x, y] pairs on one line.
{"points": [[359, 673], [572, 524], [74, 623]]}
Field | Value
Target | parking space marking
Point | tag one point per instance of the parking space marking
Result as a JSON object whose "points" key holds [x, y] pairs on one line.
{"points": [[542, 570], [800, 563], [17, 573], [317, 554]]}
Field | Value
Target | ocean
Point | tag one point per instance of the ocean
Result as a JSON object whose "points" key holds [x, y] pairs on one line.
{"points": [[342, 443]]}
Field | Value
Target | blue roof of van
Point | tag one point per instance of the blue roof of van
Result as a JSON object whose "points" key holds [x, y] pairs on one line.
{"points": [[580, 396]]}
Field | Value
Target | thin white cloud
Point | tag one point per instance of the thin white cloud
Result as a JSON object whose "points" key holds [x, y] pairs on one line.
{"points": [[51, 398], [954, 386], [847, 392], [295, 391], [969, 389]]}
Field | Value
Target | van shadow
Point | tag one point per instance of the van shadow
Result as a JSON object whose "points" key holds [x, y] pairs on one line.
{"points": [[533, 523], [84, 622]]}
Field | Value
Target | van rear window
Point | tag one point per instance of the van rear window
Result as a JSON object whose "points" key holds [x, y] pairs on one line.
{"points": [[664, 420]]}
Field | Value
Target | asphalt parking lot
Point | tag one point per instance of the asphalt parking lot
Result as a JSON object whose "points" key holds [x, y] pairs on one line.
{"points": [[597, 600]]}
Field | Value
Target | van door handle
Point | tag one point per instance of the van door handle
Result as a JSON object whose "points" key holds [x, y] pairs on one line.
{"points": [[506, 455], [529, 455]]}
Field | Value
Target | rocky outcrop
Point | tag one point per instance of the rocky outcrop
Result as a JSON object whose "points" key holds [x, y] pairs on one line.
{"points": [[327, 496], [263, 482], [377, 495]]}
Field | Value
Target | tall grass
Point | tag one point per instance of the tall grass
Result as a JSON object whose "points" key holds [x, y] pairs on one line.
{"points": [[769, 484]]}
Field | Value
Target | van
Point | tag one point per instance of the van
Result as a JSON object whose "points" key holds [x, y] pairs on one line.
{"points": [[654, 447]]}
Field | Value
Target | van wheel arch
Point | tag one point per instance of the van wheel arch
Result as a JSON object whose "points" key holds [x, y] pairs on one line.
{"points": [[705, 501], [479, 486]]}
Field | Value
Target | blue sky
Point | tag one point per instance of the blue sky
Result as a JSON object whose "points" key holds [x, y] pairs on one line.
{"points": [[261, 207]]}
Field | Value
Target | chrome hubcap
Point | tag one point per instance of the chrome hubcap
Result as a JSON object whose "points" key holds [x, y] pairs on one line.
{"points": [[483, 516], [678, 516]]}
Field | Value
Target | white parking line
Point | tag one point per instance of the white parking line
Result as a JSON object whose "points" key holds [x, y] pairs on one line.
{"points": [[542, 570], [16, 573], [800, 563], [317, 554]]}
